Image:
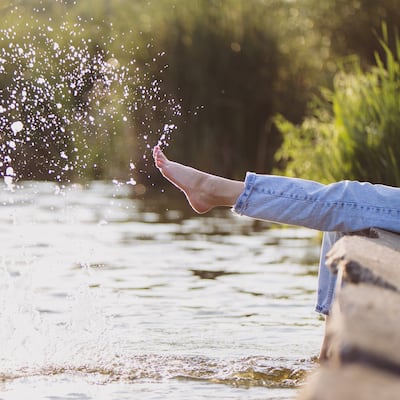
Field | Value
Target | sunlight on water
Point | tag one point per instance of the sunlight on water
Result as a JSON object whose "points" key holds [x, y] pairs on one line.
{"points": [[101, 294], [98, 288]]}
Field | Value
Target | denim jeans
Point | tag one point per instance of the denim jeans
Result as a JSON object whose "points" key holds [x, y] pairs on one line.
{"points": [[335, 209]]}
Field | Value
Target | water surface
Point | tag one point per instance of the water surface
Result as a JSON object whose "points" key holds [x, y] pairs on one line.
{"points": [[103, 296]]}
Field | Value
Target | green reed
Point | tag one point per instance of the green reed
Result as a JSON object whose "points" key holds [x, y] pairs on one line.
{"points": [[353, 131]]}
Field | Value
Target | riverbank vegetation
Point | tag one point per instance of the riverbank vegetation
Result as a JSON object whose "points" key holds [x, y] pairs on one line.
{"points": [[206, 77], [354, 130]]}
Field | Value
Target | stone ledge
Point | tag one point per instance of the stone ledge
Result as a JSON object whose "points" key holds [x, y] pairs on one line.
{"points": [[350, 383], [364, 327], [373, 259]]}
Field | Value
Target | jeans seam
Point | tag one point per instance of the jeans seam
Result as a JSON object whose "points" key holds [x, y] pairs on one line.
{"points": [[243, 199], [390, 212]]}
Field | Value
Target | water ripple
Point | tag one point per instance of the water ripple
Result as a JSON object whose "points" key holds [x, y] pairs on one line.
{"points": [[240, 372]]}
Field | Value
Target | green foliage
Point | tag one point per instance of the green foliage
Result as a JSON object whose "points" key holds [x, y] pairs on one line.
{"points": [[354, 132], [231, 65]]}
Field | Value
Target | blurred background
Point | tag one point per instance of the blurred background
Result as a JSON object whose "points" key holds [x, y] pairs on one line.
{"points": [[300, 87]]}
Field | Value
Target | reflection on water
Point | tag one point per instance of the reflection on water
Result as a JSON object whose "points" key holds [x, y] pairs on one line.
{"points": [[99, 288]]}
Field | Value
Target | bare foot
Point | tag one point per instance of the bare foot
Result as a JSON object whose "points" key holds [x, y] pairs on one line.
{"points": [[203, 191]]}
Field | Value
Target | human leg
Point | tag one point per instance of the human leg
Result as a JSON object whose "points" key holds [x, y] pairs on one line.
{"points": [[341, 207], [326, 279], [205, 191], [326, 288], [344, 206]]}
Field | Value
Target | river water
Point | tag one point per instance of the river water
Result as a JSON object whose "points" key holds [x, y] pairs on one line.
{"points": [[104, 296]]}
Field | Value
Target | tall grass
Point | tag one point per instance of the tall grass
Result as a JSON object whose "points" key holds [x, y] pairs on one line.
{"points": [[353, 133]]}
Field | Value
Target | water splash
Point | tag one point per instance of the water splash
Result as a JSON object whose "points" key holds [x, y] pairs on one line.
{"points": [[36, 343], [166, 135], [245, 372], [75, 300], [85, 343], [9, 178], [66, 94]]}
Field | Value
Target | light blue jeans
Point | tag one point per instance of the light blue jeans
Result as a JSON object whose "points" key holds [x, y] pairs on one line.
{"points": [[335, 209]]}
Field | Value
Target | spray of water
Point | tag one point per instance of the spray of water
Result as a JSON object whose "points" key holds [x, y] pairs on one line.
{"points": [[68, 99], [65, 96]]}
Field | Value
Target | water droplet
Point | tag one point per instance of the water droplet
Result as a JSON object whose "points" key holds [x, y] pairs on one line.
{"points": [[17, 126], [8, 178], [10, 171], [11, 144]]}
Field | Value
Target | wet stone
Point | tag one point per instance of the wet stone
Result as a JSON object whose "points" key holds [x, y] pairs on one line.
{"points": [[364, 327], [374, 259], [350, 383]]}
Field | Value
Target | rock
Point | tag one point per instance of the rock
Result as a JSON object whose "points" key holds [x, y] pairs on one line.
{"points": [[373, 260], [364, 327], [350, 383], [389, 239]]}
